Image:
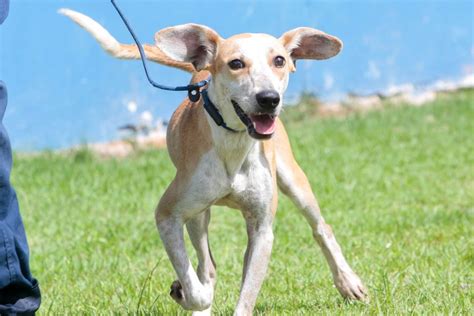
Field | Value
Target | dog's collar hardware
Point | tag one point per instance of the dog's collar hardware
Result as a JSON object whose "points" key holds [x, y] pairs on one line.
{"points": [[212, 110]]}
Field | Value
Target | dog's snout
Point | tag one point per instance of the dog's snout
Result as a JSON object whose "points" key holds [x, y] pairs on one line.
{"points": [[268, 99]]}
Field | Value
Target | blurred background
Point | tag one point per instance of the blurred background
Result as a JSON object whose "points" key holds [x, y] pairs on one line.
{"points": [[64, 90]]}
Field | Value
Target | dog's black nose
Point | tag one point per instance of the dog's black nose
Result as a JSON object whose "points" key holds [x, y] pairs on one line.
{"points": [[268, 99]]}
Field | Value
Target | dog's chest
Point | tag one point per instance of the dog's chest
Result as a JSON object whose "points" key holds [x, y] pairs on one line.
{"points": [[241, 184], [250, 187]]}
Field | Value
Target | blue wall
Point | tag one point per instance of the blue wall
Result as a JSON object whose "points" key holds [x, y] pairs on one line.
{"points": [[65, 90]]}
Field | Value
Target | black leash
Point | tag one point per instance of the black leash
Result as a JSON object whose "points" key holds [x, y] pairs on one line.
{"points": [[194, 90]]}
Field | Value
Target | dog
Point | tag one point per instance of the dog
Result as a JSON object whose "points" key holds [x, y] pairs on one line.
{"points": [[241, 166]]}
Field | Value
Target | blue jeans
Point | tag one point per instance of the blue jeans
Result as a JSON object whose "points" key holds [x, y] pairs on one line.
{"points": [[19, 291]]}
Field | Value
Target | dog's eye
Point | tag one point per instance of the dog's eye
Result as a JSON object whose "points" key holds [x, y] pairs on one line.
{"points": [[279, 61], [236, 64]]}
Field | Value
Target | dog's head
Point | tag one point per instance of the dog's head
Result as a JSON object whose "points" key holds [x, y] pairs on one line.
{"points": [[249, 71]]}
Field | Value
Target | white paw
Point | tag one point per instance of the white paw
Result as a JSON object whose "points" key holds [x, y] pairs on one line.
{"points": [[199, 301], [350, 286]]}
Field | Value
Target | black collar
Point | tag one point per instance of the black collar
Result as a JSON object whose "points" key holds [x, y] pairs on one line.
{"points": [[212, 110]]}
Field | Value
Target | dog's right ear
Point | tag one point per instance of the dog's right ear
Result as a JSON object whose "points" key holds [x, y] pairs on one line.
{"points": [[309, 43], [192, 43]]}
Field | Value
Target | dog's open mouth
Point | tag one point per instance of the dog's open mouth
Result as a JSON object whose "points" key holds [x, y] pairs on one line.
{"points": [[259, 125]]}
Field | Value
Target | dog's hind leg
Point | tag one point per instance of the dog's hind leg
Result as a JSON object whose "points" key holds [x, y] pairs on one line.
{"points": [[293, 182], [190, 292], [198, 233]]}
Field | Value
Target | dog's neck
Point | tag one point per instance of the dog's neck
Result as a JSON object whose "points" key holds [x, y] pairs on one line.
{"points": [[232, 148]]}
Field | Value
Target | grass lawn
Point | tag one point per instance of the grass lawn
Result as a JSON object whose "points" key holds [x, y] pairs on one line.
{"points": [[396, 185]]}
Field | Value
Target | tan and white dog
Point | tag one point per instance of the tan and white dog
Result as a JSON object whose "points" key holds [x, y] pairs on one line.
{"points": [[242, 169]]}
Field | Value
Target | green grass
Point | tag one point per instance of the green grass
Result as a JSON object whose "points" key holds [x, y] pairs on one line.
{"points": [[396, 185]]}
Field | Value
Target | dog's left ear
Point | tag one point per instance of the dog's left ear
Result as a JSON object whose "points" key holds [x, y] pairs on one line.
{"points": [[191, 43], [309, 43]]}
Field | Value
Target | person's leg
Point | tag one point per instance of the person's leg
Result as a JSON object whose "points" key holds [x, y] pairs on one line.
{"points": [[19, 291], [3, 10]]}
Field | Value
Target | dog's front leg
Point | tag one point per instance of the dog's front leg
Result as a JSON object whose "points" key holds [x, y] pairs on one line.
{"points": [[294, 183], [188, 291], [198, 233], [257, 257]]}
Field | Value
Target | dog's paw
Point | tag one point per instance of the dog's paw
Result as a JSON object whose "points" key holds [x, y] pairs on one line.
{"points": [[176, 291], [350, 286], [198, 300]]}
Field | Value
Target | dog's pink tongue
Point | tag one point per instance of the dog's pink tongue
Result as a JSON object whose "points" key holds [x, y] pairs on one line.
{"points": [[264, 124]]}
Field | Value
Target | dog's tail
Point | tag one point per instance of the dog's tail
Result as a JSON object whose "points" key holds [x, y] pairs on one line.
{"points": [[119, 50]]}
